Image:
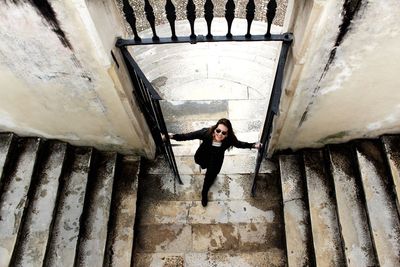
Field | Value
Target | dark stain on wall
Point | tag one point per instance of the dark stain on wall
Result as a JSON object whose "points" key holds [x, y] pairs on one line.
{"points": [[47, 11], [44, 8], [350, 9]]}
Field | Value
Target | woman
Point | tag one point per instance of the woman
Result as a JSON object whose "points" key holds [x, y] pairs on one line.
{"points": [[210, 154]]}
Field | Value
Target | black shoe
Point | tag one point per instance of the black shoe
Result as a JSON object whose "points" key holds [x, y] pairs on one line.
{"points": [[204, 201]]}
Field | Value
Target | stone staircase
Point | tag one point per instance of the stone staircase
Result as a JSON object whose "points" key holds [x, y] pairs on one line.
{"points": [[174, 229], [62, 205], [341, 204]]}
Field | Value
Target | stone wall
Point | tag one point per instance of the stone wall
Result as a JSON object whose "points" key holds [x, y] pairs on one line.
{"points": [[58, 78], [334, 95]]}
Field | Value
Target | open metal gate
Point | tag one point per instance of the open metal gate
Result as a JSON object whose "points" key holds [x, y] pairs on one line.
{"points": [[148, 97], [149, 102]]}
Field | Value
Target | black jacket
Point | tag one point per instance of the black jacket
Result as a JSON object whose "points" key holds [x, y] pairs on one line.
{"points": [[207, 155]]}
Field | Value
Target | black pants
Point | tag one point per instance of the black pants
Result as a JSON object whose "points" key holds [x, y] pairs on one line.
{"points": [[213, 168]]}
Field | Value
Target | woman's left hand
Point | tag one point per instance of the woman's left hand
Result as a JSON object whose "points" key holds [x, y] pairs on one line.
{"points": [[257, 145]]}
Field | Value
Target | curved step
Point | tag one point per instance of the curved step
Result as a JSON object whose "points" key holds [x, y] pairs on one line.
{"points": [[5, 148], [380, 200], [123, 211], [299, 244], [392, 148], [93, 232], [61, 250], [324, 220], [31, 247], [14, 195], [352, 213]]}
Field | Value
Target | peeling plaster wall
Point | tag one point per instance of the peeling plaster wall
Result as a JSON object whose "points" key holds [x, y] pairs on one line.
{"points": [[58, 79], [358, 96]]}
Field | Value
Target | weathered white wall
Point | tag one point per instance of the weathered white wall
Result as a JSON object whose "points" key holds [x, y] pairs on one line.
{"points": [[359, 95], [70, 92]]}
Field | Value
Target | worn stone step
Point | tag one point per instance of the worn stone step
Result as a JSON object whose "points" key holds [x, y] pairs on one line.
{"points": [[123, 211], [391, 145], [31, 247], [324, 221], [299, 244], [225, 187], [185, 238], [352, 213], [272, 258], [5, 148], [14, 193], [61, 249], [93, 232], [380, 201]]}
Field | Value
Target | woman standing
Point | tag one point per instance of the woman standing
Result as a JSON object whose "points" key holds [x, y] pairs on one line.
{"points": [[210, 154]]}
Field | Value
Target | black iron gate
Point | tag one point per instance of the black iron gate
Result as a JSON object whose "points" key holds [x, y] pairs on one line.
{"points": [[149, 102], [148, 98]]}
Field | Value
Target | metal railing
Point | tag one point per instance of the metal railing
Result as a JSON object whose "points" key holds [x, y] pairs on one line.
{"points": [[149, 103], [170, 14], [273, 108]]}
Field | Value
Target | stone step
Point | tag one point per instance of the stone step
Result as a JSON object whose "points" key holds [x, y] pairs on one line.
{"points": [[299, 243], [95, 217], [186, 238], [391, 145], [352, 213], [14, 194], [324, 221], [271, 258], [225, 187], [123, 211], [5, 148], [61, 250], [380, 201], [31, 247]]}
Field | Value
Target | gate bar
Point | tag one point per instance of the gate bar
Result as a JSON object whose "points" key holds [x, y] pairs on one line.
{"points": [[273, 108]]}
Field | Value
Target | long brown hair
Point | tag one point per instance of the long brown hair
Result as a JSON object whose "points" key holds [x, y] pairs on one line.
{"points": [[231, 138]]}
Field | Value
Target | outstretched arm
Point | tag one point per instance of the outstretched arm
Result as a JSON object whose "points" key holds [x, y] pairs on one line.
{"points": [[241, 144], [189, 136]]}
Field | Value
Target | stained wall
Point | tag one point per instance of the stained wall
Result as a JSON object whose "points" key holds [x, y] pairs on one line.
{"points": [[59, 81], [332, 95]]}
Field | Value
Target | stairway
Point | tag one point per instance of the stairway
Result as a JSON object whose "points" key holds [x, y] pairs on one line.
{"points": [[341, 204], [174, 229], [62, 205]]}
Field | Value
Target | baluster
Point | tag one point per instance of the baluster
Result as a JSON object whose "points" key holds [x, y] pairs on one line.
{"points": [[171, 16], [130, 18], [229, 15], [271, 11], [191, 16], [148, 9], [250, 11], [209, 15]]}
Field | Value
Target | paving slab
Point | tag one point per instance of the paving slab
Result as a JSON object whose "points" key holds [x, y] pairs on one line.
{"points": [[253, 211], [272, 258], [215, 237], [159, 259], [164, 238], [216, 212]]}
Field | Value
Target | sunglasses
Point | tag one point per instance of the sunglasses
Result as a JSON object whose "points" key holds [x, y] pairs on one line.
{"points": [[220, 131]]}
